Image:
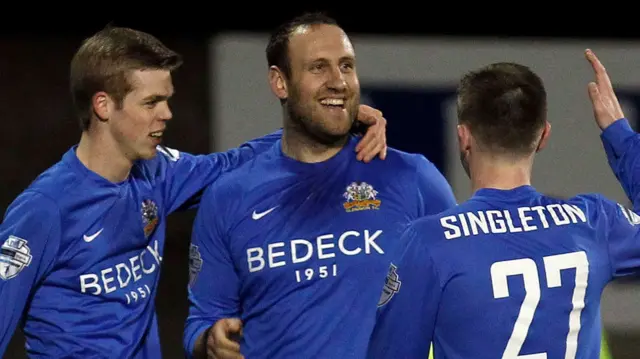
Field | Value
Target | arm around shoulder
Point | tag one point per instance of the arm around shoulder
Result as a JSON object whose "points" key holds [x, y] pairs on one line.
{"points": [[236, 157], [187, 175]]}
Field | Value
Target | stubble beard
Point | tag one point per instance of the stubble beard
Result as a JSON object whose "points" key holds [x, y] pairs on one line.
{"points": [[301, 118]]}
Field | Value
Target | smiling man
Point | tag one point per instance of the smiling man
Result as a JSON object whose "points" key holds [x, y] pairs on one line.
{"points": [[82, 246], [302, 248]]}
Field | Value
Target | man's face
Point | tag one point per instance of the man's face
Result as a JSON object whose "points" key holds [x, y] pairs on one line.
{"points": [[323, 87], [137, 127]]}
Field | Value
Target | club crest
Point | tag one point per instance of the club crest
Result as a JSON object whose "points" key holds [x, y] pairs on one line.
{"points": [[360, 196], [149, 216]]}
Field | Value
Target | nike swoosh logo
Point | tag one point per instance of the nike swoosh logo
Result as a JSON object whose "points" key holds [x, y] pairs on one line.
{"points": [[92, 237], [256, 216]]}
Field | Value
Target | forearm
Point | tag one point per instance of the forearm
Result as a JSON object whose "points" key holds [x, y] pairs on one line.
{"points": [[622, 146]]}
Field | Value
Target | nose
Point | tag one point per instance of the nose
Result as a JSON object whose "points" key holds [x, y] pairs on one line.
{"points": [[336, 80], [164, 112]]}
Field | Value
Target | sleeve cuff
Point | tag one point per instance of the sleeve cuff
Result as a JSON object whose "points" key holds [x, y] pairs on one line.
{"points": [[616, 134], [191, 340]]}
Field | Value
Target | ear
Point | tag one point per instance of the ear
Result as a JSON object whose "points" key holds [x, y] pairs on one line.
{"points": [[278, 83], [546, 132], [464, 138], [102, 105]]}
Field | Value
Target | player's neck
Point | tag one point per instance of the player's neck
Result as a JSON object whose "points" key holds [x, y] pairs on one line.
{"points": [[99, 153], [299, 145], [500, 173]]}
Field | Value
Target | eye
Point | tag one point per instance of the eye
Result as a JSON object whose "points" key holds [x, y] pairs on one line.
{"points": [[317, 67], [347, 66]]}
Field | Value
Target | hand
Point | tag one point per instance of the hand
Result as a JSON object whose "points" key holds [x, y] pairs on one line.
{"points": [[221, 343], [374, 141], [606, 107]]}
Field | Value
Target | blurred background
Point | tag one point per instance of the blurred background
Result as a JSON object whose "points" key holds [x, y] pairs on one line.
{"points": [[409, 62]]}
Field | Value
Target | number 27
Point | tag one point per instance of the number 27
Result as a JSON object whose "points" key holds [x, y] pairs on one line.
{"points": [[526, 267]]}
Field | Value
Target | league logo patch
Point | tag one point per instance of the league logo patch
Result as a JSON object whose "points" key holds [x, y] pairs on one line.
{"points": [[391, 286], [360, 196], [195, 263], [149, 216], [15, 255]]}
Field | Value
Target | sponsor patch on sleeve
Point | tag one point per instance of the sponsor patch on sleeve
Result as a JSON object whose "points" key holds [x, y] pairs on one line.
{"points": [[391, 285], [15, 255]]}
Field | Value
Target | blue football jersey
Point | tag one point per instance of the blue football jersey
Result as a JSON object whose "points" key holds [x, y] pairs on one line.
{"points": [[80, 256], [512, 273], [301, 249]]}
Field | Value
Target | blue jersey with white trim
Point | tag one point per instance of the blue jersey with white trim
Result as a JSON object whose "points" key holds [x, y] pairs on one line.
{"points": [[301, 250], [80, 256], [512, 273]]}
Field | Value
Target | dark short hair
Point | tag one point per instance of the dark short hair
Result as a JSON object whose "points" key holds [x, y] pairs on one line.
{"points": [[104, 61], [278, 46], [505, 106]]}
